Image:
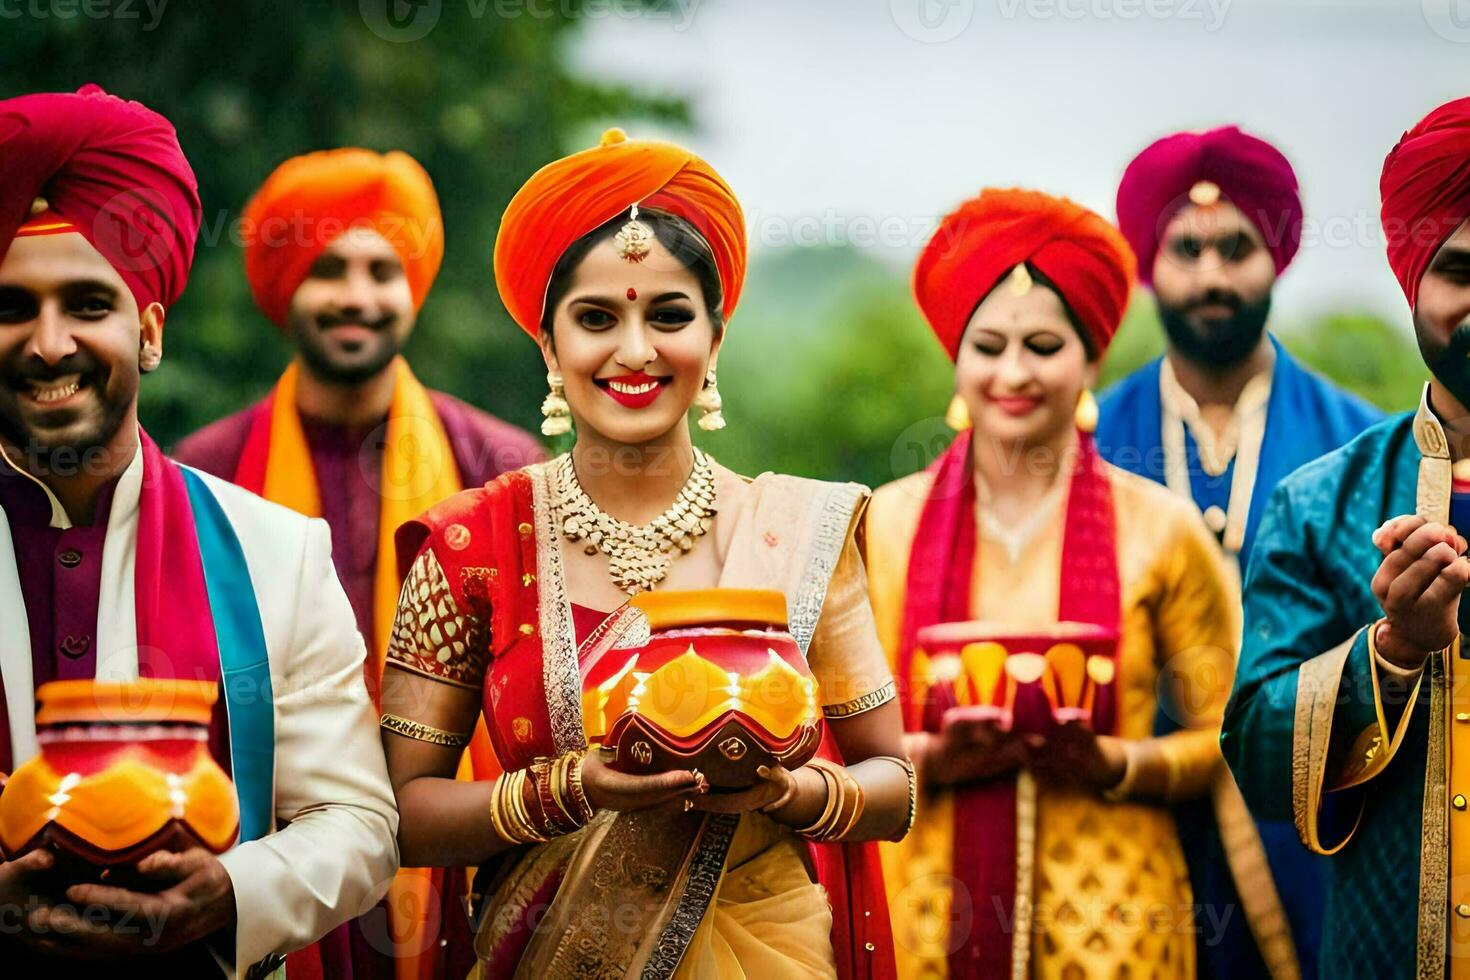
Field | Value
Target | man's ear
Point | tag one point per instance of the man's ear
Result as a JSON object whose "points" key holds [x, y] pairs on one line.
{"points": [[150, 335]]}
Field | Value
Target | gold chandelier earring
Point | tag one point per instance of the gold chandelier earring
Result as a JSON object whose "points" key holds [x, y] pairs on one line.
{"points": [[558, 416], [708, 401]]}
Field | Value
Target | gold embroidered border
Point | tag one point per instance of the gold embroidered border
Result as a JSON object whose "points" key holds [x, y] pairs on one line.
{"points": [[1259, 898], [1317, 684], [408, 728], [1025, 875], [1434, 852], [861, 703], [558, 632], [832, 519]]}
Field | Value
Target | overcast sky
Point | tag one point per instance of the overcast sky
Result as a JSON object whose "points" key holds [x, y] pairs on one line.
{"points": [[864, 120]]}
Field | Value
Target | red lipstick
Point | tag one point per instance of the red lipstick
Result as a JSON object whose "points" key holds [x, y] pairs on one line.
{"points": [[1015, 406], [637, 390]]}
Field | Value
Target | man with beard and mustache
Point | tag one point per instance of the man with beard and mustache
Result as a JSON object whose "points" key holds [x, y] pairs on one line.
{"points": [[341, 249], [1221, 418], [118, 564], [1351, 708]]}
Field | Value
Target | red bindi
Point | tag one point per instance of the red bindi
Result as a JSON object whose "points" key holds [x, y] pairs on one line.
{"points": [[632, 293]]}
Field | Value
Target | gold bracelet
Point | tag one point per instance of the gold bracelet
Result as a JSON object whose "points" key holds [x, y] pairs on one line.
{"points": [[409, 728], [844, 803], [578, 794], [1123, 789], [828, 808]]}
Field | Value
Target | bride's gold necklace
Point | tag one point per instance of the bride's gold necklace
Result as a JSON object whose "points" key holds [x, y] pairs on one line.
{"points": [[638, 555]]}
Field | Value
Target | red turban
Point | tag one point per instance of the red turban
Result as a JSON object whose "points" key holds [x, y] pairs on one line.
{"points": [[1248, 172], [310, 200], [114, 170], [565, 200], [987, 236], [1426, 191]]}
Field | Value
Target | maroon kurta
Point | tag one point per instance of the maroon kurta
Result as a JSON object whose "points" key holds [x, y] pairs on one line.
{"points": [[61, 584], [348, 465], [60, 578]]}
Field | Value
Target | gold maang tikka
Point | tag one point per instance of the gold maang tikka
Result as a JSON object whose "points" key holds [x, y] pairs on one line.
{"points": [[635, 239], [1020, 280]]}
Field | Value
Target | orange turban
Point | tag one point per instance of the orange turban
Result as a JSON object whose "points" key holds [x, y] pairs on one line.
{"points": [[310, 200], [565, 200], [987, 236]]}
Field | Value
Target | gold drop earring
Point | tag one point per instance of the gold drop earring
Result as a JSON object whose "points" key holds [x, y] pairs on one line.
{"points": [[149, 357], [957, 416], [558, 416], [1087, 411], [708, 401]]}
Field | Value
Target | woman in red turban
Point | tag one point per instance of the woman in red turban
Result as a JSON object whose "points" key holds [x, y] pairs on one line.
{"points": [[624, 263], [1032, 598]]}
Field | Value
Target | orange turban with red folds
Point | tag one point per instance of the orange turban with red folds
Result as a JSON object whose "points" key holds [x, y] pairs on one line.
{"points": [[987, 236], [565, 200], [310, 200], [1426, 191]]}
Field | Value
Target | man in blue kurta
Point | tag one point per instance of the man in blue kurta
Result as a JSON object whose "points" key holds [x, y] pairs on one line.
{"points": [[1214, 218], [1351, 710]]}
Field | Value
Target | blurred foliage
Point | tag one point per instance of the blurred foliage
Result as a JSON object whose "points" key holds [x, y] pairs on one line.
{"points": [[482, 100], [829, 369]]}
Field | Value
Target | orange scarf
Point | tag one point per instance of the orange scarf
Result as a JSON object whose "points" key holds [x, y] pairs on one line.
{"points": [[418, 471]]}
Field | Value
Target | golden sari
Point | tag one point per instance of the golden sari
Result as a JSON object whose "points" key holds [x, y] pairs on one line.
{"points": [[1102, 887]]}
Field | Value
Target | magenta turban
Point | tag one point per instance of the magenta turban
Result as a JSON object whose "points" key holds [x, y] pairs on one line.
{"points": [[1249, 172], [115, 170], [1426, 191]]}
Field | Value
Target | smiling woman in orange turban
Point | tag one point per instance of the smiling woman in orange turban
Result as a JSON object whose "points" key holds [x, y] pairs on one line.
{"points": [[987, 236], [1044, 784], [569, 198], [624, 263], [311, 200]]}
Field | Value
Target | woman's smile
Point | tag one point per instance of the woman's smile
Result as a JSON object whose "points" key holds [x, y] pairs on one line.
{"points": [[636, 390]]}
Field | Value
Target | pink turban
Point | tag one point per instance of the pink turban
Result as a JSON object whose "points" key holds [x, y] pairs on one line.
{"points": [[1426, 191], [1246, 171], [113, 169]]}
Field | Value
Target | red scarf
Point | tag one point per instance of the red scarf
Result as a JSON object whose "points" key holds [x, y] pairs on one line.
{"points": [[938, 591]]}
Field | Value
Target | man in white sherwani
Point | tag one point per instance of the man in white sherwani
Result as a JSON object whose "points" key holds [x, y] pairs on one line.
{"points": [[116, 562]]}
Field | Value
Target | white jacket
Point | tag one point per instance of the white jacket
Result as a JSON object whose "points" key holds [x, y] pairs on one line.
{"points": [[336, 850]]}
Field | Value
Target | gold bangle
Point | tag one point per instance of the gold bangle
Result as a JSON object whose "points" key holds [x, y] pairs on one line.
{"points": [[828, 808], [409, 728], [1123, 789], [578, 794], [863, 702]]}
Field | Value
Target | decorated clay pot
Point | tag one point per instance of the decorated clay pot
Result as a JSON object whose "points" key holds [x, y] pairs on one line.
{"points": [[1022, 679], [124, 770], [721, 686]]}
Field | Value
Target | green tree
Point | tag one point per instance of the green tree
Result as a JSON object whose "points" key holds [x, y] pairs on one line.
{"points": [[482, 99]]}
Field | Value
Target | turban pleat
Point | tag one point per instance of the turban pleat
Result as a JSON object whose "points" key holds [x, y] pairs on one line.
{"points": [[1426, 191], [987, 236], [567, 199], [115, 171], [311, 200], [1248, 172]]}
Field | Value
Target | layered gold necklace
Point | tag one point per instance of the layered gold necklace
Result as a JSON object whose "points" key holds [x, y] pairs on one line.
{"points": [[638, 555]]}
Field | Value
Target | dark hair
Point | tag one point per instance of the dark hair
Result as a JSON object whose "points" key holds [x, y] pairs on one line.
{"points": [[1039, 278], [682, 240]]}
